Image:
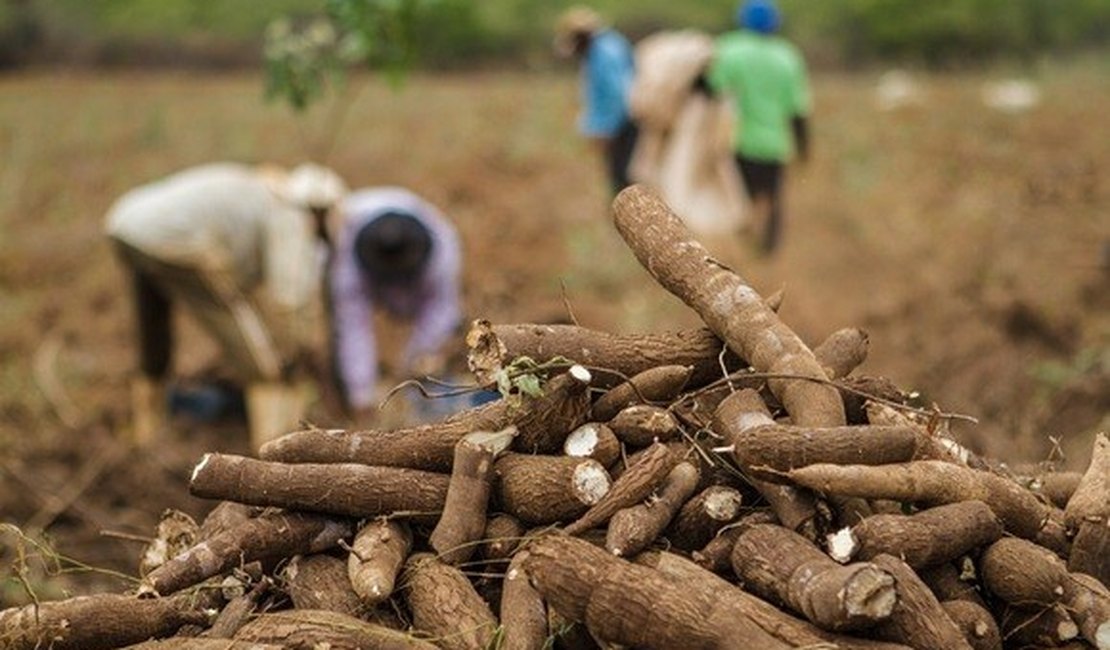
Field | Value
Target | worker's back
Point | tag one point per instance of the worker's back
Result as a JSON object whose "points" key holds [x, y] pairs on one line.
{"points": [[208, 215], [765, 76]]}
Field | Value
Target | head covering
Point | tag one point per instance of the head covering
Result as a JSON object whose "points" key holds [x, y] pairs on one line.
{"points": [[574, 21], [759, 16], [393, 247], [311, 186]]}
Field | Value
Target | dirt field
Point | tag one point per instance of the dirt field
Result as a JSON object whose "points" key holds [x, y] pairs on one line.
{"points": [[970, 243]]}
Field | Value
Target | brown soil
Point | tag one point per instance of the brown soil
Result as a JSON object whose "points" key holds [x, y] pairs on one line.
{"points": [[971, 244]]}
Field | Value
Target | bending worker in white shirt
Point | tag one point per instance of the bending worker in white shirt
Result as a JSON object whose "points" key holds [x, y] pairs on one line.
{"points": [[206, 238]]}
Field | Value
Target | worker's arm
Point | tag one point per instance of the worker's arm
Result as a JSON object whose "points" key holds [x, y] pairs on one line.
{"points": [[800, 124], [354, 350]]}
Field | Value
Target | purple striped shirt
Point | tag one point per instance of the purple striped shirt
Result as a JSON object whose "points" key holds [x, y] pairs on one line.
{"points": [[430, 301]]}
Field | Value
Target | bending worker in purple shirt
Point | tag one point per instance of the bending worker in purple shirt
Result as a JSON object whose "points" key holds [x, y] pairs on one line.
{"points": [[397, 251]]}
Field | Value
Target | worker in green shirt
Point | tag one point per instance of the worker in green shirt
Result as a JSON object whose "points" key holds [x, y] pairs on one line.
{"points": [[765, 77]]}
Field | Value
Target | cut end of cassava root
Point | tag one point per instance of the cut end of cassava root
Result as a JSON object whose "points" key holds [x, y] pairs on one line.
{"points": [[723, 505], [843, 545], [870, 594], [591, 482]]}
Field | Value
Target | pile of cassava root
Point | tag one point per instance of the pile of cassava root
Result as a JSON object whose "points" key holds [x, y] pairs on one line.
{"points": [[725, 487]]}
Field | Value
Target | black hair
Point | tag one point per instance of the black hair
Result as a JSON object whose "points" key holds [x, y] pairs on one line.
{"points": [[393, 247]]}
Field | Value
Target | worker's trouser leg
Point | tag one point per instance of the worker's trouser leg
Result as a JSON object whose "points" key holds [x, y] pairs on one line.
{"points": [[619, 156], [153, 315], [273, 410], [274, 406], [225, 312], [763, 181]]}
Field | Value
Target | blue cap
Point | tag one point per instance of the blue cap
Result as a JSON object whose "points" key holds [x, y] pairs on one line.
{"points": [[759, 16]]}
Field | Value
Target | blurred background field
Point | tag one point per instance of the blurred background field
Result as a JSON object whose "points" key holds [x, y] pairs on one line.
{"points": [[970, 242], [516, 33]]}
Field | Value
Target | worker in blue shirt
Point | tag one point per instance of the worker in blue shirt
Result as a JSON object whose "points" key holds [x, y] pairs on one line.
{"points": [[607, 69]]}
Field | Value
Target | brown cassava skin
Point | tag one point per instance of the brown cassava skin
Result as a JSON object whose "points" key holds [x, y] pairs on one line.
{"points": [[539, 490], [544, 422], [1047, 627], [842, 352], [767, 451], [679, 449], [795, 508], [271, 536], [976, 623], [224, 515], [1090, 551], [445, 605], [604, 448], [780, 565], [1022, 573], [431, 447], [632, 529], [932, 482], [633, 486], [568, 635], [928, 537], [523, 612], [321, 582], [637, 606], [1089, 601], [640, 425], [716, 555], [918, 619], [632, 605], [858, 391], [428, 446], [659, 384], [236, 612], [193, 643], [626, 355], [308, 629], [464, 514], [795, 631], [348, 489], [502, 535], [94, 622], [1057, 487], [945, 583], [727, 304], [1091, 500], [377, 555], [703, 515]]}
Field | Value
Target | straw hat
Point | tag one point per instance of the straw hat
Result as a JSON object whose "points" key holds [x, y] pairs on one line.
{"points": [[574, 21]]}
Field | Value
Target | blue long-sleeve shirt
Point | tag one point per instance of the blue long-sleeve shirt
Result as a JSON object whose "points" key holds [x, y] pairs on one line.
{"points": [[430, 301], [606, 77]]}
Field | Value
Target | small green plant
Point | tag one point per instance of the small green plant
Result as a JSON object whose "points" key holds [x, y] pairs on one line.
{"points": [[306, 61], [520, 377], [1055, 375]]}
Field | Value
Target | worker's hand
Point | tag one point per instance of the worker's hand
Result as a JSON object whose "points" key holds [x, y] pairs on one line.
{"points": [[601, 145]]}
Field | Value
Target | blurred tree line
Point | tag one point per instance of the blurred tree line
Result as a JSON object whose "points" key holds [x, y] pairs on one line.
{"points": [[517, 33]]}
